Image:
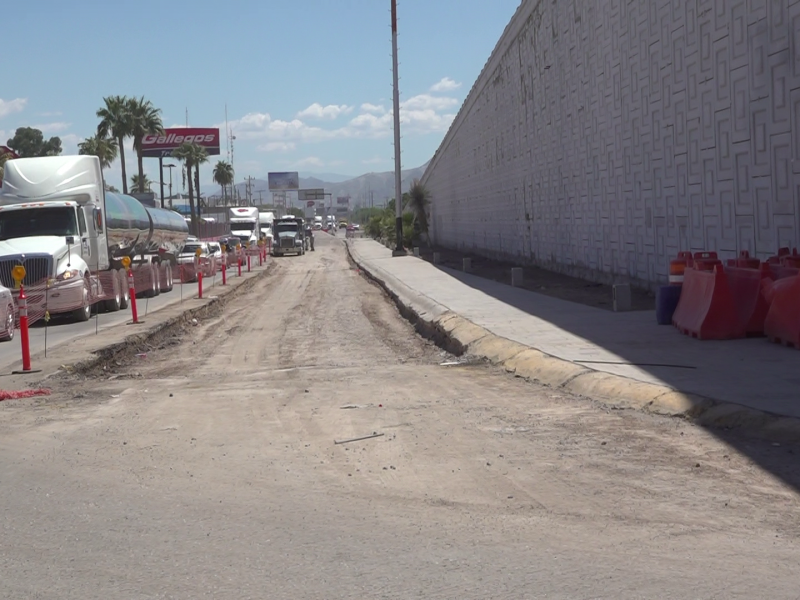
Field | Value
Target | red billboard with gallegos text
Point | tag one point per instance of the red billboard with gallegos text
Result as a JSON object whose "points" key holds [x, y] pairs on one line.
{"points": [[162, 144]]}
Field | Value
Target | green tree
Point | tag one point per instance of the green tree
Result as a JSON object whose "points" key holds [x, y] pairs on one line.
{"points": [[103, 148], [145, 119], [3, 159], [115, 122], [223, 176], [111, 188], [28, 142], [140, 184], [417, 201], [192, 156]]}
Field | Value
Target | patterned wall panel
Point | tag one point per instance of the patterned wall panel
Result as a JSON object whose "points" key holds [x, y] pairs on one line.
{"points": [[603, 136]]}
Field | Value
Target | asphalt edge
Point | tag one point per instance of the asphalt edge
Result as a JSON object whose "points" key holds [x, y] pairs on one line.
{"points": [[461, 336], [139, 341]]}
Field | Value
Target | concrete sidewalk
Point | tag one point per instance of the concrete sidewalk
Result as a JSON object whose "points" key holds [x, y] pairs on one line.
{"points": [[752, 373]]}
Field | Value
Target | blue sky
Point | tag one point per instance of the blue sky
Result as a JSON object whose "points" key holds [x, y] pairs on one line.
{"points": [[307, 83]]}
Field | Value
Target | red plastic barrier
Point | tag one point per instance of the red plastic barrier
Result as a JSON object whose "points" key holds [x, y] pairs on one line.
{"points": [[706, 309], [705, 261], [745, 261], [748, 296], [782, 324]]}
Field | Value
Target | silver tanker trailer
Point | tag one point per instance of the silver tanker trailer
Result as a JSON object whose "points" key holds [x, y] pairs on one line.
{"points": [[57, 220]]}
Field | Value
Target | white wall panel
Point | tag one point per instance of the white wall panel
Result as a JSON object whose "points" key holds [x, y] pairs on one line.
{"points": [[603, 136]]}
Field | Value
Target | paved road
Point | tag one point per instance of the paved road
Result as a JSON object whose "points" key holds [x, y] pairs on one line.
{"points": [[210, 470], [62, 329]]}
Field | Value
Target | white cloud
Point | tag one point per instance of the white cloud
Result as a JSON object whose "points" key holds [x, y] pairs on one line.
{"points": [[420, 114], [317, 111], [377, 160], [372, 108], [445, 85], [310, 161], [69, 143], [8, 107], [254, 126], [427, 102], [180, 126], [51, 128], [277, 147]]}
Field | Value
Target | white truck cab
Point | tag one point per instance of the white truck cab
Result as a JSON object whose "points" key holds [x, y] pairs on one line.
{"points": [[245, 224]]}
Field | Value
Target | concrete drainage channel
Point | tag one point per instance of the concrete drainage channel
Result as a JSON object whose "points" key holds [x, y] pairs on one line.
{"points": [[165, 331], [463, 338]]}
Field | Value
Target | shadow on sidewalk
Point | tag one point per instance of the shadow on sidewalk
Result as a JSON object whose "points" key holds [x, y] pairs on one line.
{"points": [[750, 372]]}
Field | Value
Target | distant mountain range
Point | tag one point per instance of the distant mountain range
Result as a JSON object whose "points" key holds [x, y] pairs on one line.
{"points": [[369, 189]]}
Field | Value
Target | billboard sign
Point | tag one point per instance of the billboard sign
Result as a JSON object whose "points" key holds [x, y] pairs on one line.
{"points": [[316, 194], [163, 144], [310, 204], [284, 181], [343, 200], [341, 210]]}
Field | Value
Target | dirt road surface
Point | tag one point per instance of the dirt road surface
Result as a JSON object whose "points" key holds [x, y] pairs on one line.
{"points": [[210, 470]]}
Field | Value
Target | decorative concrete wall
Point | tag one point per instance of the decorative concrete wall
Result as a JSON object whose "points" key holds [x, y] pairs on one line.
{"points": [[603, 136]]}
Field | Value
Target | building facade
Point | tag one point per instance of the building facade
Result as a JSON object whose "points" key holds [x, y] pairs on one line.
{"points": [[604, 136]]}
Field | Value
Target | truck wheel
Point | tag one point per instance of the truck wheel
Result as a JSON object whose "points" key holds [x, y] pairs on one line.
{"points": [[170, 282], [157, 279], [84, 313], [8, 334], [150, 292], [114, 303], [125, 297]]}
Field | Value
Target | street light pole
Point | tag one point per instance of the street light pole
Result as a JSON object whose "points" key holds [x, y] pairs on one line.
{"points": [[398, 201], [161, 173], [170, 167]]}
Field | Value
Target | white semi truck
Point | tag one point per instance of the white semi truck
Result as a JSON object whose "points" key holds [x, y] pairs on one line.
{"points": [[245, 224], [266, 220], [57, 220]]}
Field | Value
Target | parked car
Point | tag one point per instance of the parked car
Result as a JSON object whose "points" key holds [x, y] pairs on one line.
{"points": [[7, 316], [187, 255]]}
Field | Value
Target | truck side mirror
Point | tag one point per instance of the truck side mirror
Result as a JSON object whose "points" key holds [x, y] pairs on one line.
{"points": [[70, 240]]}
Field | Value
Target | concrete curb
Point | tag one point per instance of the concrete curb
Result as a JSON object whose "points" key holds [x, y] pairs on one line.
{"points": [[461, 336]]}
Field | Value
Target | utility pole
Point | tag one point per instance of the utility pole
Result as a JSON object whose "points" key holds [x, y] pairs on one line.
{"points": [[398, 203]]}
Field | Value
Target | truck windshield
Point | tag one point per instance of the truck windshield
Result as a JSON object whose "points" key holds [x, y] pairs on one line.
{"points": [[30, 222], [242, 226], [286, 227]]}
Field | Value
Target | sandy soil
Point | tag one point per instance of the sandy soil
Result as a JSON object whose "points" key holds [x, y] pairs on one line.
{"points": [[210, 469]]}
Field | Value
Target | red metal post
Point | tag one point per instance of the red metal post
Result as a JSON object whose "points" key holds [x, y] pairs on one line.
{"points": [[23, 329], [248, 263], [200, 284], [224, 270], [240, 267], [132, 292]]}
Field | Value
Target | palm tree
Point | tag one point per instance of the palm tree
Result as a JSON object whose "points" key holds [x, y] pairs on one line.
{"points": [[200, 157], [115, 122], [418, 201], [140, 184], [223, 175], [103, 148], [145, 119], [192, 156]]}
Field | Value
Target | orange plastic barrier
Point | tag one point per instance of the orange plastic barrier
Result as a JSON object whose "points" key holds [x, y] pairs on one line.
{"points": [[748, 297], [706, 309], [782, 324]]}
